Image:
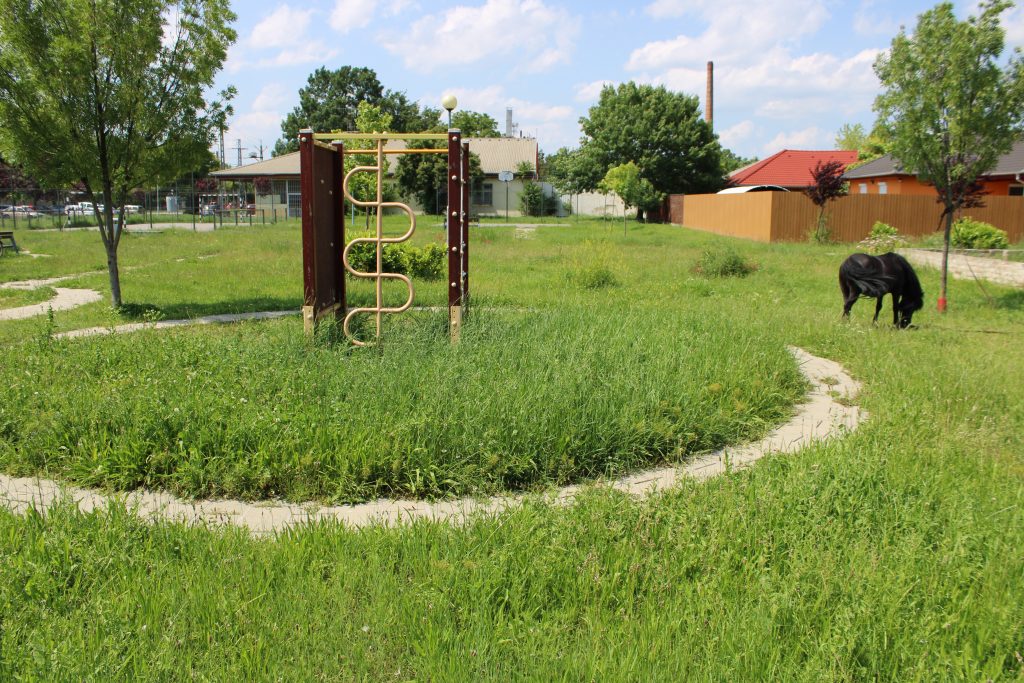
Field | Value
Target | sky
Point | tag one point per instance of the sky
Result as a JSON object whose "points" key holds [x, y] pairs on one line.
{"points": [[788, 73]]}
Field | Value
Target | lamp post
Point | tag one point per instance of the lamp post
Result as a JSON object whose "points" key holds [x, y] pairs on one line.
{"points": [[449, 102]]}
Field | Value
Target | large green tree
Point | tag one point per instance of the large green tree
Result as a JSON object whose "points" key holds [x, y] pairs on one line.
{"points": [[661, 131], [109, 94], [330, 101], [951, 104], [475, 124]]}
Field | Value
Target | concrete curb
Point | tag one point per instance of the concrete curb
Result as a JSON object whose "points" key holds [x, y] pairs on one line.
{"points": [[820, 416]]}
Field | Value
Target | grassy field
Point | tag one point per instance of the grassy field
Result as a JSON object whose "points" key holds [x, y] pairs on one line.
{"points": [[892, 554]]}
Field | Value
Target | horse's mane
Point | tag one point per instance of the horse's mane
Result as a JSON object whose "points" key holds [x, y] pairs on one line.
{"points": [[913, 295]]}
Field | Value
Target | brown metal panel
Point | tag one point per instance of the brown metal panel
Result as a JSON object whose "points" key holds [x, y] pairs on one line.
{"points": [[338, 174], [464, 247], [306, 148], [453, 217]]}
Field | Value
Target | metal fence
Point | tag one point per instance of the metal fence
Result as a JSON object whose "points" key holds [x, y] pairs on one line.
{"points": [[179, 205]]}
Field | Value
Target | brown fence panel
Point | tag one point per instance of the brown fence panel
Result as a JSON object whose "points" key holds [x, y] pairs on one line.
{"points": [[789, 216], [736, 215]]}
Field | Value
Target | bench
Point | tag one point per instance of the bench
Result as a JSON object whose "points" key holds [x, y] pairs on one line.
{"points": [[7, 241]]}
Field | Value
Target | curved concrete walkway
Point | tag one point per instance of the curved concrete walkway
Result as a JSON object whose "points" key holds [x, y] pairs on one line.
{"points": [[966, 266], [820, 416], [64, 300]]}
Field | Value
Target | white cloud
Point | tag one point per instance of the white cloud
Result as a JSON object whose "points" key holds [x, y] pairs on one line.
{"points": [[808, 138], [736, 134], [308, 53], [528, 33], [271, 97], [283, 27], [735, 31], [352, 14], [588, 92]]}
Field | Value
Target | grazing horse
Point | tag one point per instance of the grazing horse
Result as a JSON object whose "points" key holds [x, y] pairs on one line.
{"points": [[875, 276]]}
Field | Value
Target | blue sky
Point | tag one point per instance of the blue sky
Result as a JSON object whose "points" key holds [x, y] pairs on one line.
{"points": [[787, 74]]}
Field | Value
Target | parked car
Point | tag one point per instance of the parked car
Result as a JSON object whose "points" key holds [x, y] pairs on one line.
{"points": [[21, 212]]}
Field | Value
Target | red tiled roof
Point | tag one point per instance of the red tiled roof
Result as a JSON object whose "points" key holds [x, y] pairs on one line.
{"points": [[789, 168]]}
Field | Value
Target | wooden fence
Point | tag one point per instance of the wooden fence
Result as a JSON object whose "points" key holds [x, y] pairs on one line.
{"points": [[789, 216]]}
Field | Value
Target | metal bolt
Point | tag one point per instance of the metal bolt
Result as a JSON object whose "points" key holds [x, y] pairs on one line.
{"points": [[455, 248], [455, 177], [455, 284], [455, 213]]}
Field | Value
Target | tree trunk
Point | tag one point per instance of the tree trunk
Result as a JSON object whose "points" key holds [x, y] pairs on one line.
{"points": [[115, 276], [945, 259]]}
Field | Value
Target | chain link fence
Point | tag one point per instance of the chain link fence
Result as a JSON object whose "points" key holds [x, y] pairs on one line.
{"points": [[182, 205]]}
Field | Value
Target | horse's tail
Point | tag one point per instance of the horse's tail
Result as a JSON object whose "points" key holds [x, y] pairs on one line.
{"points": [[912, 291], [869, 281]]}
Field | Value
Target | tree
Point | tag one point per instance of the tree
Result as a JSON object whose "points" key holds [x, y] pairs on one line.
{"points": [[573, 171], [475, 125], [662, 132], [869, 146], [828, 185], [109, 93], [851, 137], [732, 161], [951, 106], [330, 101], [633, 189], [424, 177]]}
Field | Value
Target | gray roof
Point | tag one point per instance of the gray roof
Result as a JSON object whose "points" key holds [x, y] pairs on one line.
{"points": [[1010, 164], [496, 154]]}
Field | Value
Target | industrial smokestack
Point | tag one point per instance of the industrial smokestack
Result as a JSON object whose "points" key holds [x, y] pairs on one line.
{"points": [[508, 122], [709, 99]]}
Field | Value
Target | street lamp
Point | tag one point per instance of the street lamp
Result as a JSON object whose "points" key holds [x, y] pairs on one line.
{"points": [[449, 102]]}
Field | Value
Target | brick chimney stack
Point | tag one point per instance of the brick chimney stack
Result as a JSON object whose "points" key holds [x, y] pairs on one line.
{"points": [[709, 99]]}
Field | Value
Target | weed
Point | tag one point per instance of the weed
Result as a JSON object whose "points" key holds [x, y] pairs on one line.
{"points": [[723, 262]]}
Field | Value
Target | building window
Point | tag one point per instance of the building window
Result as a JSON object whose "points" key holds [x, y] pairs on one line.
{"points": [[1017, 190], [883, 187], [483, 193], [862, 188]]}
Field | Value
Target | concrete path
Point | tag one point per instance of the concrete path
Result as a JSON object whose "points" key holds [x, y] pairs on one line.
{"points": [[219, 318], [969, 267], [65, 299], [45, 282], [821, 416]]}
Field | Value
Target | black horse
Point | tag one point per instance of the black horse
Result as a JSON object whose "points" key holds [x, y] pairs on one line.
{"points": [[875, 276]]}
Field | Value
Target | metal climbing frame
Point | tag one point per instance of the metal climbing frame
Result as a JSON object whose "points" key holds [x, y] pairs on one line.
{"points": [[324, 190]]}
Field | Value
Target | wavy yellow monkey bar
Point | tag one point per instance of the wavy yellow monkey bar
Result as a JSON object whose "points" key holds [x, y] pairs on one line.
{"points": [[379, 240]]}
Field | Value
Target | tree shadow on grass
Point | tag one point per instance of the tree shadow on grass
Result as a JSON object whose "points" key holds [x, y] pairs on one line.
{"points": [[144, 311], [1013, 301]]}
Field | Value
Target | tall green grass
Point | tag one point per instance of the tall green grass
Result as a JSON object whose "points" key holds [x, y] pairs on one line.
{"points": [[255, 410], [893, 553]]}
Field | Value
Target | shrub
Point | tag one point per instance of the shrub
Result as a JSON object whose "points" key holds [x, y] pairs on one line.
{"points": [[880, 229], [882, 238], [972, 234], [425, 262], [723, 262]]}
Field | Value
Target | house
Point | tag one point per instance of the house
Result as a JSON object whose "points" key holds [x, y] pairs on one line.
{"points": [[488, 197], [885, 175], [790, 169]]}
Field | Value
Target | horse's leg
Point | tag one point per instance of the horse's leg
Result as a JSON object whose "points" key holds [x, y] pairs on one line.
{"points": [[878, 309], [847, 301], [896, 309]]}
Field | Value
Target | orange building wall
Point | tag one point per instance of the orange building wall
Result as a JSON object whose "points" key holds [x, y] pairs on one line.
{"points": [[908, 184]]}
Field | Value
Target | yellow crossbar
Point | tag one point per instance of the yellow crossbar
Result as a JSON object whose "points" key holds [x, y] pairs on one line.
{"points": [[380, 136]]}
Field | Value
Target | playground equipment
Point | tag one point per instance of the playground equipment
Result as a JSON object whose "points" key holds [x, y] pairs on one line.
{"points": [[324, 250]]}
